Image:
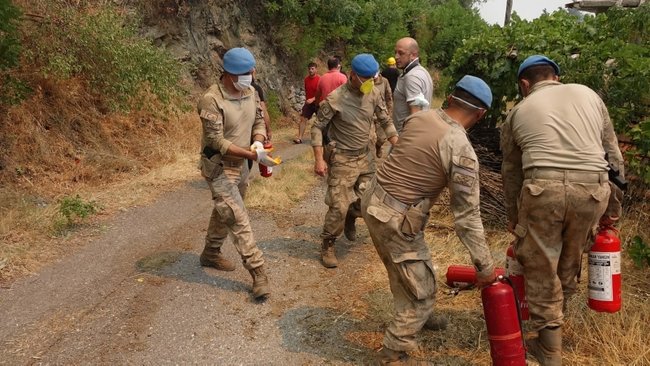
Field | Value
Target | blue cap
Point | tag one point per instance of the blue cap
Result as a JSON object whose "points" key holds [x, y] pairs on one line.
{"points": [[536, 60], [365, 65], [238, 61], [477, 88]]}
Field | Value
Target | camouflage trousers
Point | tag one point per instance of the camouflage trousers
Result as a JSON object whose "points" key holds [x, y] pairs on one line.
{"points": [[407, 259], [347, 179], [229, 215], [558, 212]]}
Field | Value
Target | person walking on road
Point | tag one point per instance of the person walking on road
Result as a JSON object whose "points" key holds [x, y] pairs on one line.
{"points": [[232, 119], [433, 153], [414, 88], [555, 143], [347, 114], [311, 105]]}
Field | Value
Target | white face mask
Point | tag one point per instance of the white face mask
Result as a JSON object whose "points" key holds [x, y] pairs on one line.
{"points": [[243, 82]]}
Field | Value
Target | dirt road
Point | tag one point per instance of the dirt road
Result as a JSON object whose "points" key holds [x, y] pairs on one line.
{"points": [[135, 294]]}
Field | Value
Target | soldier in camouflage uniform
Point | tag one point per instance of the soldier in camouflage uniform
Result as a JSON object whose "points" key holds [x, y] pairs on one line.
{"points": [[433, 152], [347, 115], [556, 190], [232, 119]]}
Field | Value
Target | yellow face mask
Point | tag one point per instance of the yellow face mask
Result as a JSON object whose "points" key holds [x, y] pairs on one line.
{"points": [[366, 86]]}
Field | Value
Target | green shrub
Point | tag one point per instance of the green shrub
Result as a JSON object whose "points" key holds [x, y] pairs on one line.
{"points": [[9, 41], [639, 252], [610, 53], [105, 49], [74, 209], [273, 106]]}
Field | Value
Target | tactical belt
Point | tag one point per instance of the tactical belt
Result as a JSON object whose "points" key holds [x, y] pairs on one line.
{"points": [[387, 199], [209, 153], [576, 176], [348, 152]]}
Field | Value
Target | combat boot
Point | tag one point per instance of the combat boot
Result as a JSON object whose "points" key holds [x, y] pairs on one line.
{"points": [[260, 282], [547, 347], [214, 258], [436, 322], [328, 253], [389, 357]]}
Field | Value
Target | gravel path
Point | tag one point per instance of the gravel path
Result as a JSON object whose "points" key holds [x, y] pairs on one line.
{"points": [[135, 294]]}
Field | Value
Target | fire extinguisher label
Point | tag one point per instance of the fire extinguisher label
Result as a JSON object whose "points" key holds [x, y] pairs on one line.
{"points": [[602, 266]]}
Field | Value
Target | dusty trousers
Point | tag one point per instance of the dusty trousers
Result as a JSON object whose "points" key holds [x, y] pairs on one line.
{"points": [[555, 221], [347, 179], [407, 259], [229, 215]]}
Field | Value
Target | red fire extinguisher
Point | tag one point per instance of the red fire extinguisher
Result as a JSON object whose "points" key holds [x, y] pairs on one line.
{"points": [[503, 324], [464, 276], [515, 272], [266, 171], [605, 271]]}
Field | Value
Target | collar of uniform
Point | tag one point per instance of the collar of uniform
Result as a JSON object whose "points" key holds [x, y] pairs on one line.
{"points": [[543, 84], [411, 66], [450, 121], [224, 92], [352, 89]]}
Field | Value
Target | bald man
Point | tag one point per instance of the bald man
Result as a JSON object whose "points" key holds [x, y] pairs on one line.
{"points": [[413, 86]]}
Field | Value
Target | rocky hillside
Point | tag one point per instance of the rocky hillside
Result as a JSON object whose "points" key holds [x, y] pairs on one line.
{"points": [[200, 32]]}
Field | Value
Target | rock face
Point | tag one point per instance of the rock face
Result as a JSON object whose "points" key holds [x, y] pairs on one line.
{"points": [[199, 32]]}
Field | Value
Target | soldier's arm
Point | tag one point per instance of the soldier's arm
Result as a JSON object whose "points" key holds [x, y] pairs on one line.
{"points": [[323, 117], [461, 168], [615, 161], [212, 123], [511, 170], [385, 121], [610, 143]]}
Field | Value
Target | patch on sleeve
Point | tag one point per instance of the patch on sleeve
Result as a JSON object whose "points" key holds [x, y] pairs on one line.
{"points": [[325, 111], [209, 115], [463, 173], [467, 162]]}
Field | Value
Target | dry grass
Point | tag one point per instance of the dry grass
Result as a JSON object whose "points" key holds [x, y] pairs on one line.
{"points": [[288, 185], [57, 144], [590, 338]]}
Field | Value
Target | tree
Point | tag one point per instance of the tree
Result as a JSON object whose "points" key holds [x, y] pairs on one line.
{"points": [[609, 52], [9, 37]]}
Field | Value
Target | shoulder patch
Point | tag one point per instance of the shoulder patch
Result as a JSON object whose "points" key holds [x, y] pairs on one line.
{"points": [[325, 109], [467, 162], [463, 173], [209, 115]]}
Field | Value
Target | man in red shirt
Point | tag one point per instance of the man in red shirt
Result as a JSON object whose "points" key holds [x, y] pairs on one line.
{"points": [[311, 105], [331, 80]]}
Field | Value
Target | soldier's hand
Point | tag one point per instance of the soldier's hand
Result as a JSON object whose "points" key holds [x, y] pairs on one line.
{"points": [[485, 280], [257, 145], [320, 167], [269, 161], [511, 227], [263, 157]]}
